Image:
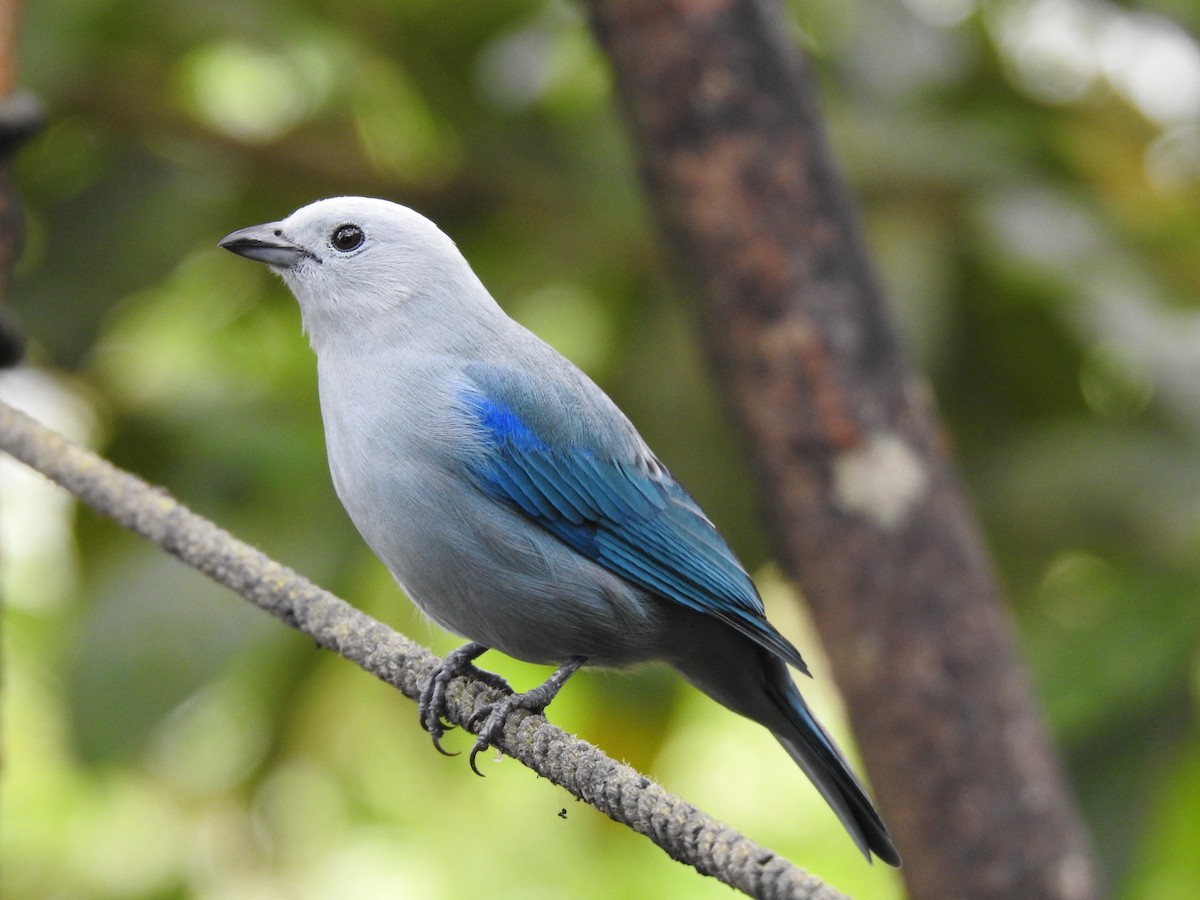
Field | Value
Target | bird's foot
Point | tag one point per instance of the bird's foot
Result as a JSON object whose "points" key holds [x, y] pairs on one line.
{"points": [[432, 705], [494, 715]]}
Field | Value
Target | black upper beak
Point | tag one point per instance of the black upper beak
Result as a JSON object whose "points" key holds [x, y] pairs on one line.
{"points": [[265, 244]]}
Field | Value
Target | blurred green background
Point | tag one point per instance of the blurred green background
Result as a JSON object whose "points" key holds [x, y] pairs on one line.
{"points": [[1029, 175]]}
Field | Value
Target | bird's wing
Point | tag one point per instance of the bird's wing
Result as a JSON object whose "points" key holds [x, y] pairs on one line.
{"points": [[622, 510]]}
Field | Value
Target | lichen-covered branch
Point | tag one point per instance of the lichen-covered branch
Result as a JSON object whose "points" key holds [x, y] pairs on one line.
{"points": [[620, 792]]}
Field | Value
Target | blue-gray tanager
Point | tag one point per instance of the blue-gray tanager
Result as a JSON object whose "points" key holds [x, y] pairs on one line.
{"points": [[512, 500]]}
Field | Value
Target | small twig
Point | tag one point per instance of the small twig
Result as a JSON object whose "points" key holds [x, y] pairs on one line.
{"points": [[620, 792]]}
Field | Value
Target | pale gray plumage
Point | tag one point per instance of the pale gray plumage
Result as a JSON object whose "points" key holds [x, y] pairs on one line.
{"points": [[509, 496]]}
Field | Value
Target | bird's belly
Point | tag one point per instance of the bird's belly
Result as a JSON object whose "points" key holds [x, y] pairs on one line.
{"points": [[481, 570], [521, 591]]}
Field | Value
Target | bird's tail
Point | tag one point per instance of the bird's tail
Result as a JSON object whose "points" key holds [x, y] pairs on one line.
{"points": [[815, 751]]}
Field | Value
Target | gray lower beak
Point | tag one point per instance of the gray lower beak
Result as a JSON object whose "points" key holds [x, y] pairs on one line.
{"points": [[265, 244]]}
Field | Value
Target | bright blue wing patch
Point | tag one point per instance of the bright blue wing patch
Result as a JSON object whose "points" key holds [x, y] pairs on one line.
{"points": [[504, 426], [636, 523]]}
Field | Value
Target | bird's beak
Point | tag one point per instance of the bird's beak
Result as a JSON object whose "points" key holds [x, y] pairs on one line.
{"points": [[265, 244]]}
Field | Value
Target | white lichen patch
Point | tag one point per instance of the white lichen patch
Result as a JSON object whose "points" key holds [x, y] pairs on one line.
{"points": [[881, 479]]}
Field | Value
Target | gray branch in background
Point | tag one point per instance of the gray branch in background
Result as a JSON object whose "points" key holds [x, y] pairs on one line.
{"points": [[685, 833]]}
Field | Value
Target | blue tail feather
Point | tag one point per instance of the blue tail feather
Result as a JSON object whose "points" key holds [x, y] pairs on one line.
{"points": [[810, 745]]}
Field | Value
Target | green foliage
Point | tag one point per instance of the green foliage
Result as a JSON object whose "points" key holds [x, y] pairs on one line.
{"points": [[1030, 189]]}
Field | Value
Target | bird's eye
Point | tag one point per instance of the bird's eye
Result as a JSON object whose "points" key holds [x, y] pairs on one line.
{"points": [[347, 237]]}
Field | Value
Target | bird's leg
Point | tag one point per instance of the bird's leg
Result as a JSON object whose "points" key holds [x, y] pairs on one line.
{"points": [[432, 705], [535, 700]]}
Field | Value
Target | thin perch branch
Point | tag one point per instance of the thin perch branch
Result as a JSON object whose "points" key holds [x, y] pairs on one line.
{"points": [[617, 790]]}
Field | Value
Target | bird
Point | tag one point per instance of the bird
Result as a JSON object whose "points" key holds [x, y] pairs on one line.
{"points": [[512, 500]]}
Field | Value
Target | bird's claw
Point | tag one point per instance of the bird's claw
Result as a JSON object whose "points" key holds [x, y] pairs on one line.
{"points": [[494, 715], [432, 705], [432, 708]]}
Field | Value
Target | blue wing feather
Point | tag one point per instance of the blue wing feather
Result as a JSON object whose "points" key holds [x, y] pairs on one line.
{"points": [[635, 521]]}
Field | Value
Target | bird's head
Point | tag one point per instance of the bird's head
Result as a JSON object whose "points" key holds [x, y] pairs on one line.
{"points": [[361, 267]]}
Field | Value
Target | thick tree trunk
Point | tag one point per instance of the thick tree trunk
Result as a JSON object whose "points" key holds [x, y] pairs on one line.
{"points": [[864, 510]]}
